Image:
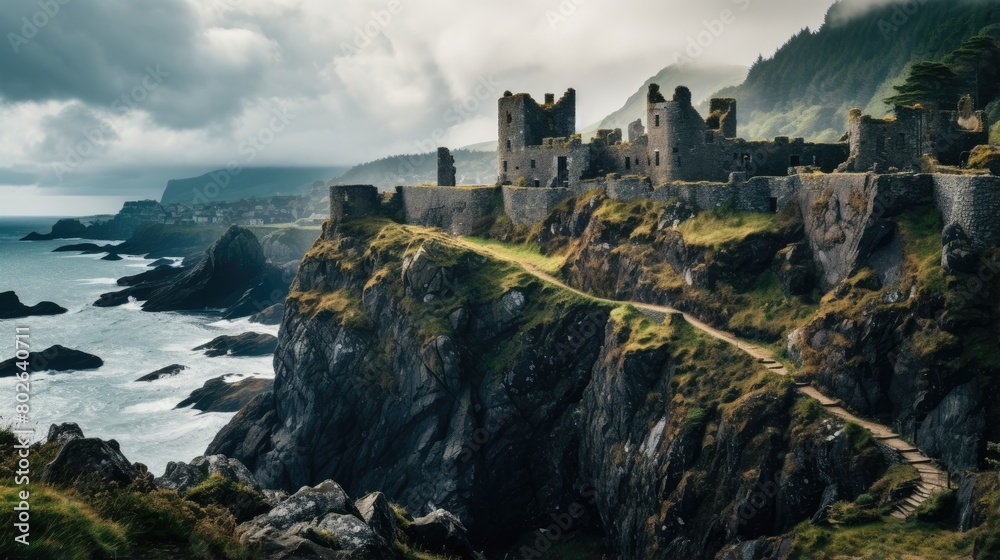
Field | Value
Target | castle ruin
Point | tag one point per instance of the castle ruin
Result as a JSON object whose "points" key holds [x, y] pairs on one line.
{"points": [[539, 147], [701, 163]]}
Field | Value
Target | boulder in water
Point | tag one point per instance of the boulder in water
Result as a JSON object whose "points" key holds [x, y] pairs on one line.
{"points": [[55, 358], [12, 308]]}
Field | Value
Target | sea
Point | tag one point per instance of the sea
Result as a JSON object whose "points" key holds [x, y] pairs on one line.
{"points": [[108, 403]]}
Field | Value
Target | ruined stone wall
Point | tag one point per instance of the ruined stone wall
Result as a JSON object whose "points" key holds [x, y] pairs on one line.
{"points": [[627, 189], [539, 165], [884, 142], [445, 168], [629, 158], [722, 117], [526, 206], [526, 123], [457, 210], [946, 135], [773, 159], [900, 141], [351, 202], [753, 196], [679, 148], [972, 202]]}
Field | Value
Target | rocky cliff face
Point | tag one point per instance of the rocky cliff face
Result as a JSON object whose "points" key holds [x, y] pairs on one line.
{"points": [[444, 379], [232, 275], [877, 302]]}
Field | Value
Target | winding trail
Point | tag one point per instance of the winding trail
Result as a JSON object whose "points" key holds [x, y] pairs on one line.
{"points": [[932, 478]]}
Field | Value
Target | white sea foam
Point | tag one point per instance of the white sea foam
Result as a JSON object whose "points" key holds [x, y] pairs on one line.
{"points": [[107, 402]]}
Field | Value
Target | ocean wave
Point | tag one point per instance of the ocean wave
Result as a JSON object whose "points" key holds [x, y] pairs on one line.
{"points": [[98, 281], [132, 305]]}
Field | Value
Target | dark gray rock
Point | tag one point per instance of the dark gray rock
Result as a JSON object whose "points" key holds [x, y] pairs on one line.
{"points": [[246, 344], [156, 275], [232, 276], [73, 228], [218, 395], [87, 248], [376, 511], [354, 536], [63, 433], [270, 316], [12, 308], [775, 549], [303, 542], [312, 502], [308, 519], [505, 421], [87, 461], [794, 267], [958, 254], [55, 358], [168, 371], [111, 257], [161, 262], [443, 533], [182, 476]]}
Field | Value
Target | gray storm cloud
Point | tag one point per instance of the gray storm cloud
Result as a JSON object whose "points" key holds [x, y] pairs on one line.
{"points": [[365, 78]]}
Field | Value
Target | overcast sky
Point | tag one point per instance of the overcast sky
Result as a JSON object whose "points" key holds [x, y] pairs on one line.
{"points": [[104, 100]]}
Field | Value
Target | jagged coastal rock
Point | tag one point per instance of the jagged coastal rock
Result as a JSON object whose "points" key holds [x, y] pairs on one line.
{"points": [[55, 358], [73, 229], [82, 459], [86, 248], [182, 476], [270, 316], [232, 276], [62, 433], [12, 308], [246, 344], [496, 375], [161, 262], [221, 395], [150, 277], [169, 371], [298, 527]]}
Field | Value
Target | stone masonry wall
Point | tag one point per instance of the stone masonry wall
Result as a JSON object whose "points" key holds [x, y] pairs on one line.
{"points": [[457, 210], [526, 206], [351, 202], [972, 202]]}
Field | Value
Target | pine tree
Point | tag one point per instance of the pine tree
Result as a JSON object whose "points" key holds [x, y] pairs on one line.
{"points": [[932, 84]]}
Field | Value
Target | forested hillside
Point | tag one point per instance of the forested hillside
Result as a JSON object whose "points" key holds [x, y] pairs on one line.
{"points": [[473, 168], [853, 60]]}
